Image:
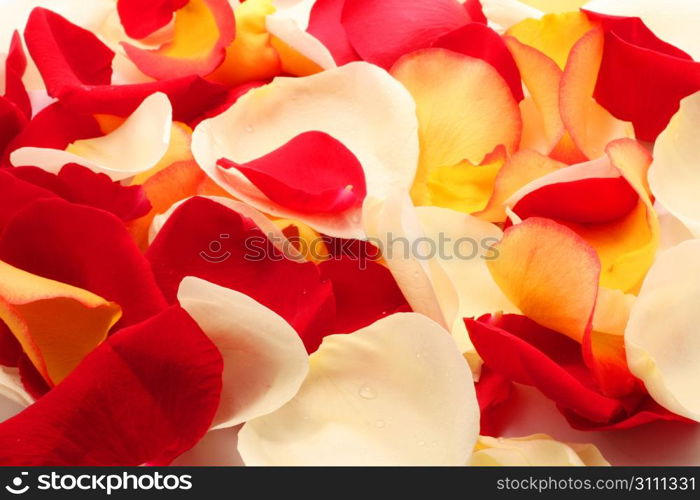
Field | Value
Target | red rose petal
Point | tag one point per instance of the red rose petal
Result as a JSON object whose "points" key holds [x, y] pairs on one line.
{"points": [[312, 173], [383, 31], [78, 184], [587, 201], [84, 247], [10, 348], [492, 390], [66, 54], [529, 354], [16, 194], [479, 41], [364, 292], [140, 18], [15, 65], [325, 24], [642, 79], [205, 239], [145, 395]]}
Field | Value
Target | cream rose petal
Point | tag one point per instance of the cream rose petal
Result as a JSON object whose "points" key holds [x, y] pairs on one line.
{"points": [[12, 390], [359, 104], [535, 450], [289, 23], [661, 339], [397, 392], [674, 21], [674, 176], [265, 361], [134, 147]]}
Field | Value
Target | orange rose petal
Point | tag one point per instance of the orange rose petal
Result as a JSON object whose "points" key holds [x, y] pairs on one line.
{"points": [[178, 151], [463, 115], [202, 31], [56, 324], [308, 242], [465, 187], [550, 273], [168, 186], [542, 124], [554, 34], [520, 169], [591, 126], [251, 56], [604, 346]]}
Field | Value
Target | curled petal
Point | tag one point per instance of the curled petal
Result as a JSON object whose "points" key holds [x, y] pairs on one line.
{"points": [[115, 153], [662, 348], [56, 324], [164, 367], [202, 30], [397, 392], [141, 19], [265, 361], [677, 25], [312, 173], [268, 117], [325, 25]]}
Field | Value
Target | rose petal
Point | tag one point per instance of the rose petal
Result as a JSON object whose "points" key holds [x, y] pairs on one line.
{"points": [[550, 273], [464, 115], [364, 291], [325, 25], [267, 117], [661, 347], [676, 25], [397, 392], [535, 450], [381, 32], [312, 173], [265, 361], [205, 239], [202, 30], [56, 324], [671, 175], [141, 19], [84, 247], [165, 368], [114, 154]]}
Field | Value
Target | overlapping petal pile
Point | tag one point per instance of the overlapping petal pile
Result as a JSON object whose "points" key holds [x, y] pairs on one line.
{"points": [[346, 232]]}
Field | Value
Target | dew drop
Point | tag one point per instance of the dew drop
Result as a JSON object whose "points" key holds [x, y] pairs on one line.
{"points": [[421, 443], [366, 392], [380, 424], [249, 128]]}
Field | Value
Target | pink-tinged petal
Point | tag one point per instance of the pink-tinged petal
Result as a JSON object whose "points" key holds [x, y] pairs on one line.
{"points": [[66, 54], [479, 41], [312, 173], [205, 239], [164, 380], [265, 361], [140, 19], [84, 247], [202, 31], [325, 24], [382, 31]]}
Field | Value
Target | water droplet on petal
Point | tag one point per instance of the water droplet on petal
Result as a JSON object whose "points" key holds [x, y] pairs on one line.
{"points": [[366, 392], [380, 424], [249, 128]]}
